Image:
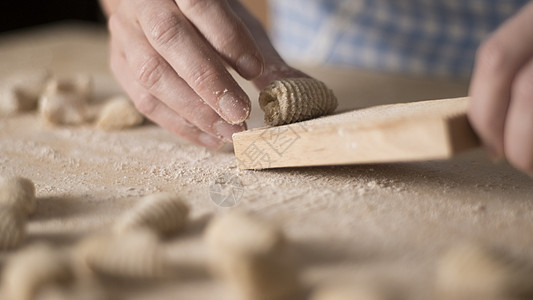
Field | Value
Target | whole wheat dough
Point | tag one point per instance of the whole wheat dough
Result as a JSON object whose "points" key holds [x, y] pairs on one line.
{"points": [[118, 113], [291, 100]]}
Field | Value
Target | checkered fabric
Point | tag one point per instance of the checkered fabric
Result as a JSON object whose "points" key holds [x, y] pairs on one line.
{"points": [[421, 37]]}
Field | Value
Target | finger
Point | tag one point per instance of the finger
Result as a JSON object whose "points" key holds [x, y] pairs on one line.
{"points": [[274, 66], [497, 63], [178, 42], [157, 111], [518, 137], [226, 33], [155, 75]]}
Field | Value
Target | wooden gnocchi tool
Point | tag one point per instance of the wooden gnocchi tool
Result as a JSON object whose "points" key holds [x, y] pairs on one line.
{"points": [[417, 131]]}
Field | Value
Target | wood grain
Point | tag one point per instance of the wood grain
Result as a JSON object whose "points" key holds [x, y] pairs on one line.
{"points": [[427, 130]]}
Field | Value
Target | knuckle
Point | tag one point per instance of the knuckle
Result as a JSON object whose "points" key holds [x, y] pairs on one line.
{"points": [[193, 5], [151, 71], [166, 28], [113, 22], [204, 78], [146, 104], [493, 55]]}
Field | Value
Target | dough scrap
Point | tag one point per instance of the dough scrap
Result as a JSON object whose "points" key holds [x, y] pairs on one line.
{"points": [[252, 257], [21, 92], [33, 269], [163, 213], [64, 100], [12, 227], [19, 193], [118, 113], [291, 100], [471, 271], [132, 255]]}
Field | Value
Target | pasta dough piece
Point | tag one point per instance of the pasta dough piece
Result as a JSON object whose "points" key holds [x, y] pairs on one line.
{"points": [[164, 213], [471, 271], [12, 227], [64, 101], [133, 255], [371, 290], [291, 100], [32, 269], [21, 92], [19, 193], [118, 113], [252, 257]]}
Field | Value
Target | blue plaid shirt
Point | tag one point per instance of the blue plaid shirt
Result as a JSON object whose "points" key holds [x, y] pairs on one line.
{"points": [[421, 37]]}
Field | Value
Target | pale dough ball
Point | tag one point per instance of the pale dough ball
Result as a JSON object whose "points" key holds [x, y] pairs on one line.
{"points": [[12, 227], [64, 100], [471, 271], [361, 289], [20, 92], [118, 113], [291, 100], [253, 257], [163, 213], [32, 269], [19, 193]]}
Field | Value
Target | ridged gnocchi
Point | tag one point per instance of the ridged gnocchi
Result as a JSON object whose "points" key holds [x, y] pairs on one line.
{"points": [[132, 255], [252, 256], [12, 227], [21, 92], [32, 269], [291, 100], [19, 193], [164, 213], [471, 271]]}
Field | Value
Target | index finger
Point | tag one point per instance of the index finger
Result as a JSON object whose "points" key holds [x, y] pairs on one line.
{"points": [[177, 41]]}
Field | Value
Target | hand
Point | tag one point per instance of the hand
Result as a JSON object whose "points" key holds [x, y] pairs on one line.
{"points": [[169, 57], [501, 110]]}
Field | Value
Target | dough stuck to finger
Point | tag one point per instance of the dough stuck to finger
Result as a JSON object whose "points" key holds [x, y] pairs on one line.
{"points": [[291, 100]]}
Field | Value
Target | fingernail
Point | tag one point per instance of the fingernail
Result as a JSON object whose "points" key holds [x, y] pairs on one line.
{"points": [[210, 141], [226, 130], [234, 110], [249, 66]]}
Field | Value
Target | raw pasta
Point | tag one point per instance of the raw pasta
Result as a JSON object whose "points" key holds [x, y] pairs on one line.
{"points": [[252, 257], [164, 213], [133, 255], [12, 227], [32, 269], [19, 193], [471, 271], [291, 100], [64, 101], [118, 113], [21, 92]]}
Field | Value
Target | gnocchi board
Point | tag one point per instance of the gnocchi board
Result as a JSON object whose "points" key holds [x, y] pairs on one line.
{"points": [[416, 131]]}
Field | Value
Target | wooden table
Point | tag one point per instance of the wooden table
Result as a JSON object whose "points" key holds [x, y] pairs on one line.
{"points": [[391, 219]]}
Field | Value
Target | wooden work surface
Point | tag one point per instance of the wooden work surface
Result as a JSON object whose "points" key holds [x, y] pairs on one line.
{"points": [[391, 219]]}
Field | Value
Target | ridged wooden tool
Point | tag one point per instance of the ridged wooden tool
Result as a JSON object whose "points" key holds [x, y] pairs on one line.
{"points": [[417, 131]]}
